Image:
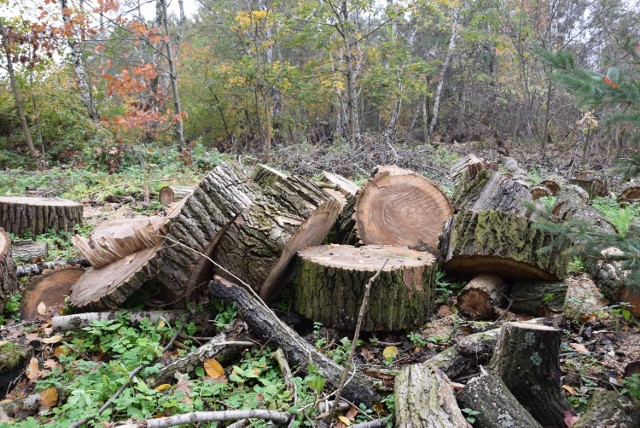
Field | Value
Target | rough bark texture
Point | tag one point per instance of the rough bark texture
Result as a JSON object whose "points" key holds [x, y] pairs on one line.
{"points": [[114, 240], [527, 358], [503, 244], [482, 295], [29, 249], [38, 268], [609, 409], [497, 406], [267, 327], [537, 298], [572, 205], [330, 284], [8, 279], [490, 190], [22, 215], [51, 289], [109, 287], [171, 194], [469, 164], [424, 398]]}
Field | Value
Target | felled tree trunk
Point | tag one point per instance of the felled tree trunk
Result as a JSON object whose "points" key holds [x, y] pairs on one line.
{"points": [[497, 407], [482, 296], [538, 192], [554, 184], [424, 398], [114, 240], [171, 194], [78, 321], [527, 358], [469, 164], [8, 279], [51, 289], [22, 215], [609, 409], [590, 183], [630, 194], [266, 326], [345, 186], [503, 244], [537, 298], [330, 284], [396, 207], [28, 249], [572, 205]]}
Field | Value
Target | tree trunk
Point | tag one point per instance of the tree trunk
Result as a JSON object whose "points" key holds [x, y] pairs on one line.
{"points": [[482, 296], [609, 409], [265, 325], [537, 298], [40, 267], [30, 250], [34, 216], [330, 284], [171, 194], [424, 399], [527, 358], [52, 290], [8, 279], [572, 205]]}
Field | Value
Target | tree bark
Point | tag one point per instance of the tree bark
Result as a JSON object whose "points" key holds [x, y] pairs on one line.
{"points": [[609, 409], [51, 289], [572, 205], [22, 215], [8, 279], [29, 249], [482, 296], [537, 298], [78, 321], [330, 283], [38, 268]]}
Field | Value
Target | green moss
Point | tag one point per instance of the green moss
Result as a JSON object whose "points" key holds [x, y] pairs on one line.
{"points": [[11, 355]]}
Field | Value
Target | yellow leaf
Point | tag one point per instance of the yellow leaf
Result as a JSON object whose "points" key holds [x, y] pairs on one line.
{"points": [[390, 352], [49, 398], [42, 308], [569, 389], [53, 339], [213, 368], [344, 420], [61, 350], [161, 324], [162, 387], [33, 369]]}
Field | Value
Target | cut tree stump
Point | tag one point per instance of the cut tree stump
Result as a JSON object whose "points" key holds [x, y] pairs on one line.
{"points": [[537, 298], [554, 184], [497, 407], [502, 244], [29, 250], [114, 240], [527, 358], [109, 287], [8, 279], [609, 409], [171, 194], [396, 207], [51, 289], [330, 283], [266, 326], [482, 296], [345, 186], [424, 399], [22, 215], [490, 190]]}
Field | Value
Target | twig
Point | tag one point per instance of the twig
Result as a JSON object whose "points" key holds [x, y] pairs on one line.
{"points": [[286, 373], [199, 417], [354, 342], [372, 424]]}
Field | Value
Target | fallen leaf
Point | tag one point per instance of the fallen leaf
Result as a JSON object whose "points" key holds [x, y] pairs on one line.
{"points": [[61, 350], [52, 365], [569, 389], [344, 420], [162, 387], [366, 354], [161, 324], [213, 368], [184, 386], [42, 308], [569, 419], [49, 398], [390, 352], [352, 412], [580, 348], [444, 311], [53, 339], [33, 369], [379, 408]]}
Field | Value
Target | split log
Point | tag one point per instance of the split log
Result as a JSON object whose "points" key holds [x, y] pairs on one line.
{"points": [[330, 283], [109, 287], [482, 296], [171, 194], [572, 205], [38, 268], [498, 407], [503, 244], [78, 321], [396, 207], [345, 186], [527, 358], [22, 215], [266, 326], [114, 240], [51, 289], [469, 164], [424, 398], [490, 190], [8, 279], [28, 249], [537, 298], [630, 194], [592, 184], [609, 409]]}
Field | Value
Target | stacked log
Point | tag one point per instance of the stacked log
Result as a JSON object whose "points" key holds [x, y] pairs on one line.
{"points": [[34, 216], [8, 279]]}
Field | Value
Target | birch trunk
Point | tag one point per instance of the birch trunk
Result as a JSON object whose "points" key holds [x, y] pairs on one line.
{"points": [[173, 77]]}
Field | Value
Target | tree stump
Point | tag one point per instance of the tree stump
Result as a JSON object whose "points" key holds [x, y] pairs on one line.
{"points": [[114, 240], [51, 289], [8, 279], [609, 409], [34, 216], [29, 250], [171, 194], [527, 358], [424, 398], [396, 207], [482, 296], [498, 407], [330, 283], [537, 298], [554, 184], [503, 244]]}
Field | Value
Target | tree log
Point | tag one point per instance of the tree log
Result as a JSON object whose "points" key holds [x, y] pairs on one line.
{"points": [[503, 244], [482, 295], [469, 164], [22, 215], [424, 398], [330, 283], [538, 192], [28, 249], [591, 183], [630, 194], [345, 186], [537, 298], [572, 205], [498, 407], [554, 184], [78, 321], [8, 279], [51, 289], [527, 358], [265, 325], [609, 409], [38, 268], [114, 240], [171, 194]]}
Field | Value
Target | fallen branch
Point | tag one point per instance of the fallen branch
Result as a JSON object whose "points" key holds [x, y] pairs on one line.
{"points": [[286, 373], [227, 415], [37, 268], [77, 321]]}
